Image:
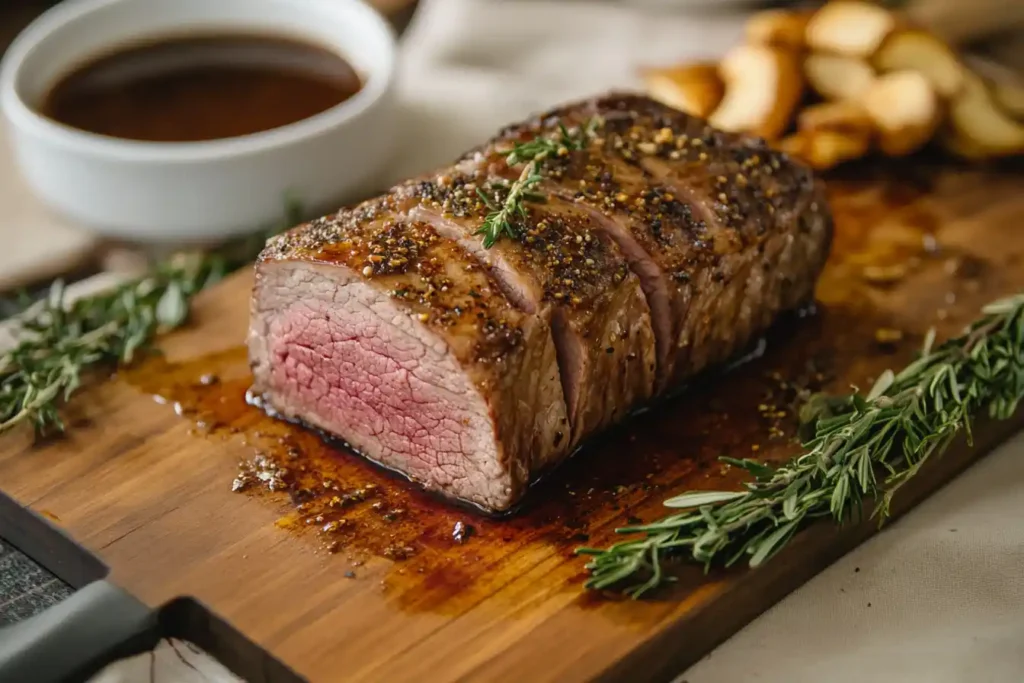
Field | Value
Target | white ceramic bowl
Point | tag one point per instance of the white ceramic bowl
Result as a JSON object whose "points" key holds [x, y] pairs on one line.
{"points": [[197, 191]]}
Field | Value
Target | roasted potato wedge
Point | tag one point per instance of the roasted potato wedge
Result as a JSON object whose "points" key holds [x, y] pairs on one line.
{"points": [[887, 84], [849, 27], [905, 109], [696, 89], [842, 116], [829, 148], [978, 126], [833, 132], [836, 77], [825, 149], [763, 86], [778, 27], [920, 51]]}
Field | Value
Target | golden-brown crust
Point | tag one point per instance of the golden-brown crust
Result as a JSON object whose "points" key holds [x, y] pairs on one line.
{"points": [[440, 284], [698, 199], [660, 240]]}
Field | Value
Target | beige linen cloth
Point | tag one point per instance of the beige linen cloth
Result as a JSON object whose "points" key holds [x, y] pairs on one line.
{"points": [[939, 596]]}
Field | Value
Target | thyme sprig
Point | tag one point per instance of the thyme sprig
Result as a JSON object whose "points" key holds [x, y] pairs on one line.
{"points": [[859, 449], [60, 340], [533, 152]]}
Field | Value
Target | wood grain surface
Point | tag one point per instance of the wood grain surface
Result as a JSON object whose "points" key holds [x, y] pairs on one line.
{"points": [[349, 574]]}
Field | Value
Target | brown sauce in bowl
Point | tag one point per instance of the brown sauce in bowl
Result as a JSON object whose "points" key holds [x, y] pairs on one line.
{"points": [[197, 88]]}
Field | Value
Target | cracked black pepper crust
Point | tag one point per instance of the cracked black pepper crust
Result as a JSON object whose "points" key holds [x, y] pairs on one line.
{"points": [[668, 229], [748, 184], [556, 242], [688, 193], [441, 284]]}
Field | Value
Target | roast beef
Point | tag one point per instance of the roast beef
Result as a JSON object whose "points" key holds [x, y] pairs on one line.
{"points": [[659, 249], [568, 273]]}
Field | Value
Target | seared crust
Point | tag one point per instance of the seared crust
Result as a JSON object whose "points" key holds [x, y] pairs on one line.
{"points": [[729, 231], [506, 355], [570, 274], [660, 248], [440, 284]]}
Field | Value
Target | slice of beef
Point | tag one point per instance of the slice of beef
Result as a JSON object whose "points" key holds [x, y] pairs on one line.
{"points": [[658, 249], [767, 220], [659, 235], [569, 274], [380, 331], [721, 229]]}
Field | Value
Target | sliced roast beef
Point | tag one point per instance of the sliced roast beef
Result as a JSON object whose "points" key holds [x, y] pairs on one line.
{"points": [[703, 215], [382, 332], [659, 235], [571, 275], [649, 251]]}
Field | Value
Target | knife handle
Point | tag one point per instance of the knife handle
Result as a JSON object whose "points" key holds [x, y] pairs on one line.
{"points": [[77, 637]]}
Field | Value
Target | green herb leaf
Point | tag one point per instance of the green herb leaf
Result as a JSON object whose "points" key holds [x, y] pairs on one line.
{"points": [[694, 500], [882, 384], [499, 222], [61, 340], [172, 308], [772, 544], [904, 420]]}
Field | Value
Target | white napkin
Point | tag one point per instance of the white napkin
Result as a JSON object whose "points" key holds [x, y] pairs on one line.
{"points": [[171, 661], [939, 596]]}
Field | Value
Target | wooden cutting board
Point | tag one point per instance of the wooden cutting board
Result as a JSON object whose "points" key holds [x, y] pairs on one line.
{"points": [[388, 595]]}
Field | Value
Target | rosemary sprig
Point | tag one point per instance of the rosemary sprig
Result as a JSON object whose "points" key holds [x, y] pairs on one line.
{"points": [[858, 449], [533, 152], [61, 340]]}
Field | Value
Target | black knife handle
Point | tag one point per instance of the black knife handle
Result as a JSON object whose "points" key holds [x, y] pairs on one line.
{"points": [[74, 639]]}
